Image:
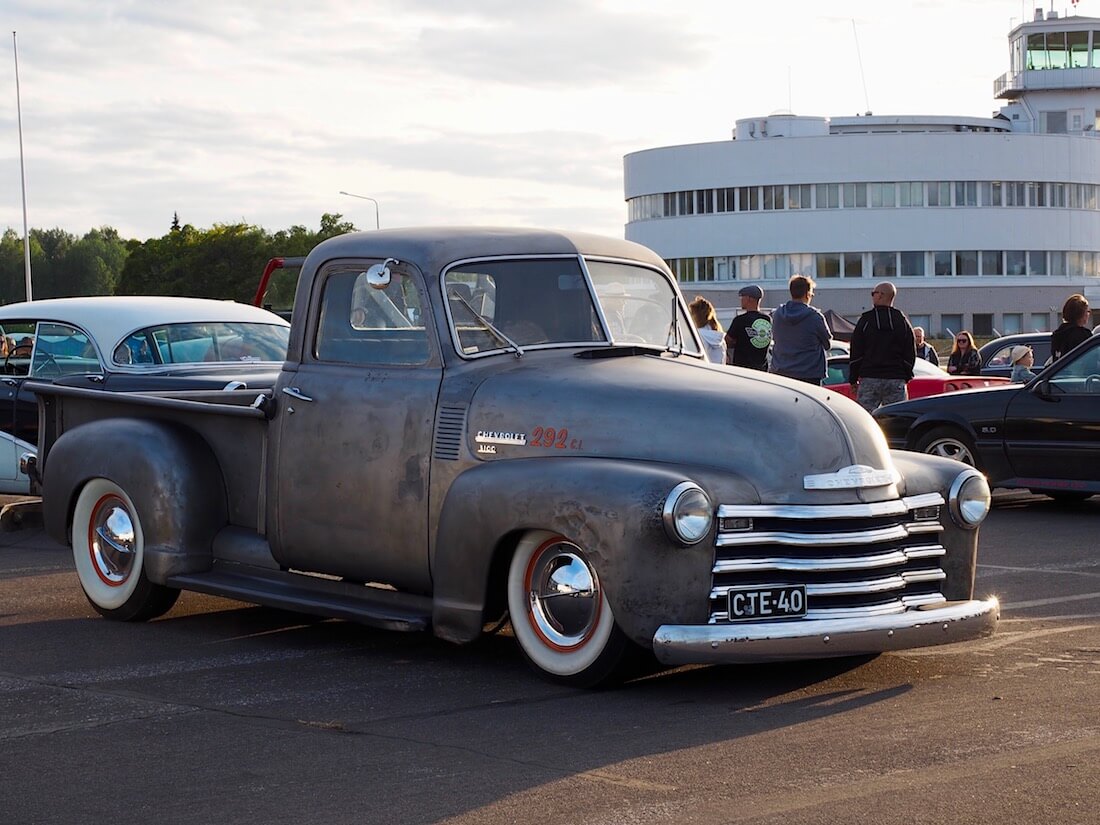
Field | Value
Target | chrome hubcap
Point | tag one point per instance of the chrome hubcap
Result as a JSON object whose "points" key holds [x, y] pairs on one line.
{"points": [[564, 594], [112, 541]]}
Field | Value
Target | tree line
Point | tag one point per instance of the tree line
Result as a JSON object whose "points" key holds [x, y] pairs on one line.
{"points": [[224, 261]]}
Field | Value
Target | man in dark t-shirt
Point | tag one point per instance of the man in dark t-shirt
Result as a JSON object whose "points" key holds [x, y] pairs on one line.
{"points": [[749, 337]]}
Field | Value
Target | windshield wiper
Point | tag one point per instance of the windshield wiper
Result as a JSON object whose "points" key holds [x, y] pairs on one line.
{"points": [[454, 293]]}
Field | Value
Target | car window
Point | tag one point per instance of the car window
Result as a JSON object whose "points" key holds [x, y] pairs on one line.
{"points": [[1081, 376], [637, 303], [63, 350], [196, 343], [1001, 358], [17, 346], [838, 373], [362, 324], [535, 302]]}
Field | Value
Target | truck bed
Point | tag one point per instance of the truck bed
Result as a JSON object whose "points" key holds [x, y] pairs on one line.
{"points": [[231, 422]]}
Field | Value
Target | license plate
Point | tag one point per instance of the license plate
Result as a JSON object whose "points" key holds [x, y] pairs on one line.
{"points": [[755, 603]]}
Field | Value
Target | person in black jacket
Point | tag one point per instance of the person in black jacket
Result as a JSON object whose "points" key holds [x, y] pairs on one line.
{"points": [[882, 354], [1074, 329], [749, 337]]}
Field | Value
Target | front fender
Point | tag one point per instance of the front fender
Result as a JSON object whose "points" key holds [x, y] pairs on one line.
{"points": [[168, 471], [610, 508]]}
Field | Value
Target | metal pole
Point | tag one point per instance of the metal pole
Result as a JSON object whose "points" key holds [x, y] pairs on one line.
{"points": [[377, 215], [22, 173]]}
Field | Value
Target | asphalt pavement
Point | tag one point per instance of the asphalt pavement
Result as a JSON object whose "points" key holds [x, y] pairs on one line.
{"points": [[223, 712]]}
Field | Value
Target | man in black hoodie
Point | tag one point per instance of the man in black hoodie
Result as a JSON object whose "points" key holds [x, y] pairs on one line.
{"points": [[882, 354]]}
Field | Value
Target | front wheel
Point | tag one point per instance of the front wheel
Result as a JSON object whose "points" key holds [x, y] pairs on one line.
{"points": [[560, 614], [948, 442], [109, 551]]}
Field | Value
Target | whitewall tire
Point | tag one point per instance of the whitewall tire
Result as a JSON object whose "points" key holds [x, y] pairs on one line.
{"points": [[559, 612], [109, 552]]}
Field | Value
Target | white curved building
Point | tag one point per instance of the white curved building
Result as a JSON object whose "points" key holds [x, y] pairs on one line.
{"points": [[987, 224]]}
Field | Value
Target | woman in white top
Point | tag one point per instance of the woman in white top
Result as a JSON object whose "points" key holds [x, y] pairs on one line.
{"points": [[714, 337]]}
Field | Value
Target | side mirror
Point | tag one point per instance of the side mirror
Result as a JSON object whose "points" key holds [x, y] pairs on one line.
{"points": [[378, 276]]}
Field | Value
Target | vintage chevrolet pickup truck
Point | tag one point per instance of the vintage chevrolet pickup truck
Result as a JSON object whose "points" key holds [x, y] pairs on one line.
{"points": [[479, 421]]}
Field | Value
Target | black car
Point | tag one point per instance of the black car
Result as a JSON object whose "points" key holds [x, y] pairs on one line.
{"points": [[997, 358], [1042, 436]]}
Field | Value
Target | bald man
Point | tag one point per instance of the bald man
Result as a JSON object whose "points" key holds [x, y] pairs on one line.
{"points": [[883, 353]]}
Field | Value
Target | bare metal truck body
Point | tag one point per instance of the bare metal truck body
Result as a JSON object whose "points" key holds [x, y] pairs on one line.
{"points": [[474, 421]]}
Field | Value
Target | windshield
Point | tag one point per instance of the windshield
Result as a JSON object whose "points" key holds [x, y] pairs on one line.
{"points": [[546, 302], [222, 342], [637, 303]]}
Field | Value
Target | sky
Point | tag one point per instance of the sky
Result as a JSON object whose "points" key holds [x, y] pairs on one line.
{"points": [[446, 112]]}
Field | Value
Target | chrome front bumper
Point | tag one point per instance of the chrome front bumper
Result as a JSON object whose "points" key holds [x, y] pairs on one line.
{"points": [[821, 638]]}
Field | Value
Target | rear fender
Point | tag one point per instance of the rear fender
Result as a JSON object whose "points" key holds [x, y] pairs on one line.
{"points": [[168, 471]]}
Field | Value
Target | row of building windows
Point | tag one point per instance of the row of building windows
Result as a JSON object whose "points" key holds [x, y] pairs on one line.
{"points": [[1056, 50], [967, 262], [894, 194], [982, 324]]}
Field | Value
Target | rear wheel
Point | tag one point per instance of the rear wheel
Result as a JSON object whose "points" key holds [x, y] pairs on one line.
{"points": [[948, 442], [109, 552], [560, 614]]}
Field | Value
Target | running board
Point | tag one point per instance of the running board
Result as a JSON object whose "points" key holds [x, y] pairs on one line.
{"points": [[315, 595]]}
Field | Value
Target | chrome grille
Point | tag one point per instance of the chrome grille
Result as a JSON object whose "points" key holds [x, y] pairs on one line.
{"points": [[854, 559]]}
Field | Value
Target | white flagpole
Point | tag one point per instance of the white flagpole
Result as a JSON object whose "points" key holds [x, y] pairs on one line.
{"points": [[22, 172]]}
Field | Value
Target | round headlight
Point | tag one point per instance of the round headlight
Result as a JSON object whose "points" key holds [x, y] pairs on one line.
{"points": [[688, 513], [970, 499]]}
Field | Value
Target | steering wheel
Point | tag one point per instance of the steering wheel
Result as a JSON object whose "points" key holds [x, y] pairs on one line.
{"points": [[48, 361], [1092, 384]]}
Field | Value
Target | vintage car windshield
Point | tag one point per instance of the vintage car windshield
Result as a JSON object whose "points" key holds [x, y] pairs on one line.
{"points": [[637, 303], [197, 343], [546, 302]]}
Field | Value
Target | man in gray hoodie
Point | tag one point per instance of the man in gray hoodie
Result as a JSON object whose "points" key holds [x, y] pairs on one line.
{"points": [[800, 336]]}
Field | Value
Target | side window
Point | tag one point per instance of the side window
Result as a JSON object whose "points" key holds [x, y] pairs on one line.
{"points": [[1001, 358], [364, 325], [838, 373], [1081, 376], [63, 350], [17, 346]]}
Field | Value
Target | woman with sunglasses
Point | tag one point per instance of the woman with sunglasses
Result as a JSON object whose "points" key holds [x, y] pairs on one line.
{"points": [[964, 358]]}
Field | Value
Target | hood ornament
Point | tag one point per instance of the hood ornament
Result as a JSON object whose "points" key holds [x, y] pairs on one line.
{"points": [[855, 476]]}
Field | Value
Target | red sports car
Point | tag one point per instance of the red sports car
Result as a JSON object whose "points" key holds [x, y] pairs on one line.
{"points": [[926, 380]]}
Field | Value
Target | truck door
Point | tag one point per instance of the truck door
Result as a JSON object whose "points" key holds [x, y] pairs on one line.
{"points": [[354, 431]]}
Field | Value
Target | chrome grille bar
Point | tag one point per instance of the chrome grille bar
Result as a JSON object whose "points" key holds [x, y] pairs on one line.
{"points": [[813, 539], [854, 560]]}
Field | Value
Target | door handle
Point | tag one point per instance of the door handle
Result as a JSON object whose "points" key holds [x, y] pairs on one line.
{"points": [[11, 382], [294, 392]]}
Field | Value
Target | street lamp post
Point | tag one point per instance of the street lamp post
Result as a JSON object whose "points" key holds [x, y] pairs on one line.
{"points": [[377, 216]]}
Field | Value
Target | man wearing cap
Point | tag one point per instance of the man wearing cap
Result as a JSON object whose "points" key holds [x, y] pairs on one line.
{"points": [[883, 353], [749, 337]]}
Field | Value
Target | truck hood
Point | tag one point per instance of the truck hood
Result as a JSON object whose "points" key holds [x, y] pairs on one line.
{"points": [[768, 430]]}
